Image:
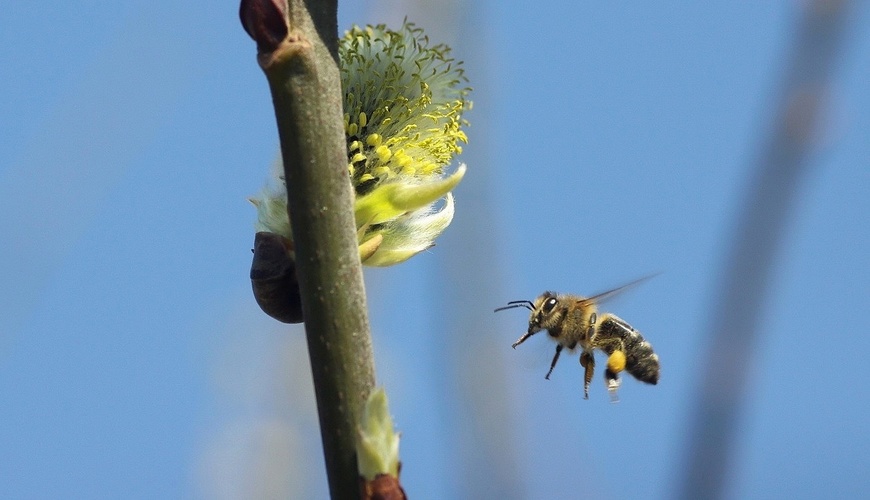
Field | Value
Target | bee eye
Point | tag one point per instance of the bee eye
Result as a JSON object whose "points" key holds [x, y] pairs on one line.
{"points": [[549, 305]]}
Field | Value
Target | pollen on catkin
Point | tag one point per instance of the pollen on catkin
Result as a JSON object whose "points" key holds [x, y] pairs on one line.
{"points": [[403, 104]]}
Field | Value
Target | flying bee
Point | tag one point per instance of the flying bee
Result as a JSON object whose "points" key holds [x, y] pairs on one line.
{"points": [[573, 321]]}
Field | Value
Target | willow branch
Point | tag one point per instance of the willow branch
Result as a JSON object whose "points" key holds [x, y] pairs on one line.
{"points": [[298, 51]]}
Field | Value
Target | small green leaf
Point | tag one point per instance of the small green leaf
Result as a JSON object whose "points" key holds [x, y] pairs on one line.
{"points": [[377, 445], [392, 200]]}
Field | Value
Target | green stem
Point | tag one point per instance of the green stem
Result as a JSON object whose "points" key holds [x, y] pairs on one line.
{"points": [[306, 91]]}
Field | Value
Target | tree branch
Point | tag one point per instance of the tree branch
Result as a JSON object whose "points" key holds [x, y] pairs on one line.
{"points": [[299, 59]]}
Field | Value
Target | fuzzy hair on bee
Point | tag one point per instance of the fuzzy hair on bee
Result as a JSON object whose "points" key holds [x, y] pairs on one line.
{"points": [[573, 322]]}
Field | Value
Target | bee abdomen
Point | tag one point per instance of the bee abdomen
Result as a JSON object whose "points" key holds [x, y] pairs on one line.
{"points": [[640, 359], [644, 368], [273, 278]]}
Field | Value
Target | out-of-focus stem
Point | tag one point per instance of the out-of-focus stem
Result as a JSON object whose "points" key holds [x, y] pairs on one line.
{"points": [[781, 166]]}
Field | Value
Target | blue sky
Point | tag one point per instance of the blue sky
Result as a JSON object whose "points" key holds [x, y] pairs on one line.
{"points": [[607, 142]]}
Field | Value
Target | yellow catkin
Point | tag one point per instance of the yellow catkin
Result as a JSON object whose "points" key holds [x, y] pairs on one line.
{"points": [[383, 153], [374, 140], [429, 168], [383, 172]]}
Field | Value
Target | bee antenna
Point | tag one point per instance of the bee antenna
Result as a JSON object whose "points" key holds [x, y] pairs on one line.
{"points": [[517, 303]]}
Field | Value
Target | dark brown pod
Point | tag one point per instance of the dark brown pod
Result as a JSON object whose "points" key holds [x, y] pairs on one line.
{"points": [[382, 487], [273, 278], [265, 21]]}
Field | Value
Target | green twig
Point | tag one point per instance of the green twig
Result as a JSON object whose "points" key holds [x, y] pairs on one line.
{"points": [[298, 51]]}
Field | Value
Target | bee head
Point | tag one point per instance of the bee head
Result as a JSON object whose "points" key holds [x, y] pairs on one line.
{"points": [[545, 314]]}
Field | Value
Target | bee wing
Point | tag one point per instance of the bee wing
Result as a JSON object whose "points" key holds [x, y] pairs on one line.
{"points": [[603, 296]]}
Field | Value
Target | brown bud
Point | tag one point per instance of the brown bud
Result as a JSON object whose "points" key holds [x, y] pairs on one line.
{"points": [[382, 487], [273, 278], [265, 21]]}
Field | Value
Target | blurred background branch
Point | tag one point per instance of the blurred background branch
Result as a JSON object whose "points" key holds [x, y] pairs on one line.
{"points": [[472, 385], [782, 165]]}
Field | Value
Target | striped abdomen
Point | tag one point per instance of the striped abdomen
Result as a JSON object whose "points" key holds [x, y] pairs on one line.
{"points": [[641, 361]]}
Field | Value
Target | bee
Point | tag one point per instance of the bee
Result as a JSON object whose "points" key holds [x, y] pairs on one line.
{"points": [[573, 321], [273, 278]]}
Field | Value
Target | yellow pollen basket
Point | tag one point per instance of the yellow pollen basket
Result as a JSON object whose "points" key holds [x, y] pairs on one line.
{"points": [[616, 361]]}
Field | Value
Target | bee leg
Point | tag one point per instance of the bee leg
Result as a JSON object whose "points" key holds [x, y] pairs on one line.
{"points": [[522, 339], [587, 361], [612, 381], [615, 364], [555, 358]]}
